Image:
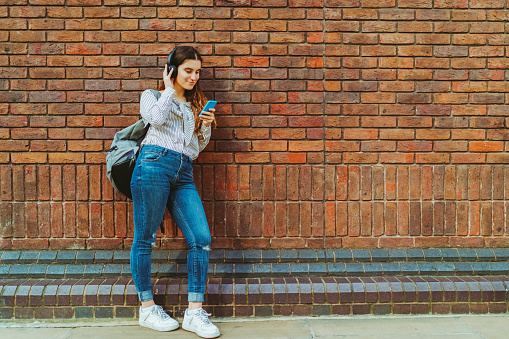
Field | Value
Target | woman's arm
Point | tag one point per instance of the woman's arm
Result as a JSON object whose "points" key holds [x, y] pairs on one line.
{"points": [[207, 118], [155, 111], [204, 136]]}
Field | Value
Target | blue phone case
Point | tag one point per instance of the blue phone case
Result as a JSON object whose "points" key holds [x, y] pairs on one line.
{"points": [[210, 104]]}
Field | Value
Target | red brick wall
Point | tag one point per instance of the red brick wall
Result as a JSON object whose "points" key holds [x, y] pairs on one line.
{"points": [[340, 124]]}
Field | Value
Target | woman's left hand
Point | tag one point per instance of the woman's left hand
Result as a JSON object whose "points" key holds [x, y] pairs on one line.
{"points": [[207, 117]]}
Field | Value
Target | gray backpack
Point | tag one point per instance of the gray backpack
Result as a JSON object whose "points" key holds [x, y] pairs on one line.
{"points": [[123, 153]]}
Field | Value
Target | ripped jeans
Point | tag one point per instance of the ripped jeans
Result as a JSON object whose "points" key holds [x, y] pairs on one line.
{"points": [[164, 178]]}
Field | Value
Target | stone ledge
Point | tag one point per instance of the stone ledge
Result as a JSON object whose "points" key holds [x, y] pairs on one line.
{"points": [[263, 256], [88, 271], [260, 263], [226, 297]]}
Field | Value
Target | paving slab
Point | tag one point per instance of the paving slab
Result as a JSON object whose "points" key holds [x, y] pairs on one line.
{"points": [[231, 330], [488, 326], [31, 333], [397, 336], [405, 327], [270, 329], [329, 327], [122, 332]]}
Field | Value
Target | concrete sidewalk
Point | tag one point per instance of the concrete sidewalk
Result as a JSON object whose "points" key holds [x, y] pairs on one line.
{"points": [[460, 326]]}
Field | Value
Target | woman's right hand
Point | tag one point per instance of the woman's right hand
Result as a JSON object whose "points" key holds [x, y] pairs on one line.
{"points": [[168, 81]]}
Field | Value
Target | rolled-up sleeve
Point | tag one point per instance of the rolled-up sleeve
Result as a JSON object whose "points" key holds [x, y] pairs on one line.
{"points": [[155, 111], [204, 136]]}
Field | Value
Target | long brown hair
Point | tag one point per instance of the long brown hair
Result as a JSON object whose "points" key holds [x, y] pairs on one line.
{"points": [[195, 96]]}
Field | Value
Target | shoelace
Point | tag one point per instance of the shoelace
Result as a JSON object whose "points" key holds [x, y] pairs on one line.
{"points": [[204, 316], [158, 310]]}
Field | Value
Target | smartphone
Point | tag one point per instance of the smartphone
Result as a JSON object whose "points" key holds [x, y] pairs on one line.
{"points": [[210, 104]]}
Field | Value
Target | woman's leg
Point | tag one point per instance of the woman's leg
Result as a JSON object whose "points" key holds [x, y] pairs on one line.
{"points": [[187, 211], [150, 187]]}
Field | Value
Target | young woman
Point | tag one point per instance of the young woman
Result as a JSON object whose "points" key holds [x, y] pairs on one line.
{"points": [[163, 178]]}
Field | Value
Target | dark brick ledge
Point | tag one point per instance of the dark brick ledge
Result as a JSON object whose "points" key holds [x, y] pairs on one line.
{"points": [[227, 297], [269, 263], [78, 271], [262, 256]]}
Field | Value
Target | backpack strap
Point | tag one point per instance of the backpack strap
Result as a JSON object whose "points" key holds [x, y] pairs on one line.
{"points": [[157, 94]]}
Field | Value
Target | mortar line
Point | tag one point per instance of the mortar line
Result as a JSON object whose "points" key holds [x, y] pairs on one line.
{"points": [[324, 236]]}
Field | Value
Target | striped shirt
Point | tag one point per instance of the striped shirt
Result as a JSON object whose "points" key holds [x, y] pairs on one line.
{"points": [[172, 124]]}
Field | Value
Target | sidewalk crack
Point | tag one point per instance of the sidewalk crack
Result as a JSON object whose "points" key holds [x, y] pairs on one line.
{"points": [[68, 334], [472, 328], [310, 328]]}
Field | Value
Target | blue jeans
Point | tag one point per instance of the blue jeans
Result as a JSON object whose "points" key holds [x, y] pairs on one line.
{"points": [[164, 178]]}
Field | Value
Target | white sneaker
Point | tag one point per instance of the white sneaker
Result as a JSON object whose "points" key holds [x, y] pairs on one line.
{"points": [[156, 318], [199, 323]]}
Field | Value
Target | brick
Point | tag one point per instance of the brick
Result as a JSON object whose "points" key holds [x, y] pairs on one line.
{"points": [[493, 146]]}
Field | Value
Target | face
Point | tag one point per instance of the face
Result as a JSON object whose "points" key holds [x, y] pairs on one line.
{"points": [[188, 73]]}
